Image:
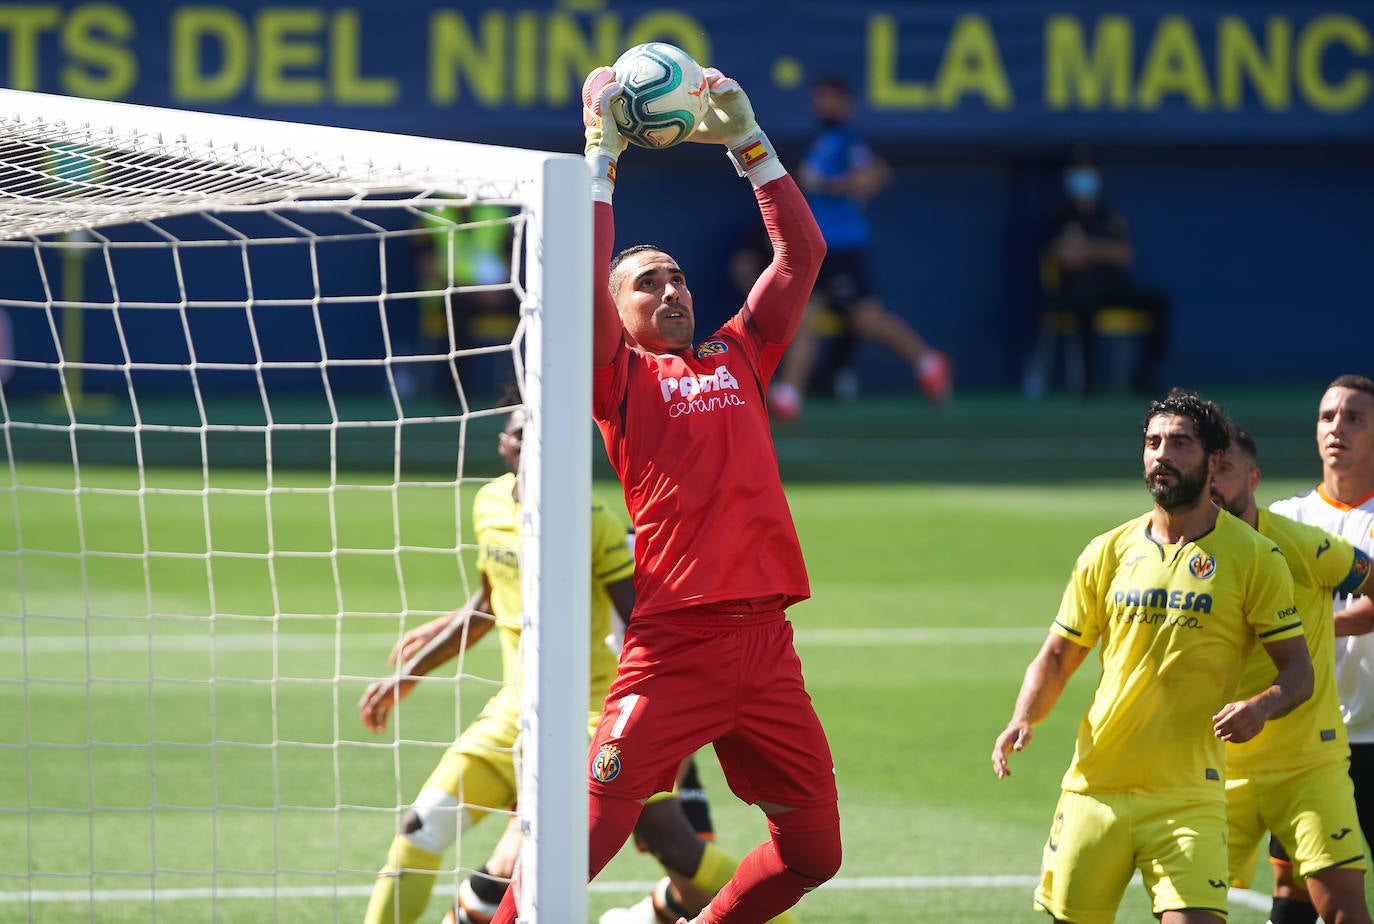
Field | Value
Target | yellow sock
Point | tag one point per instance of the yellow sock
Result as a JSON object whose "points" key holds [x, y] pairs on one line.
{"points": [[401, 897], [715, 870]]}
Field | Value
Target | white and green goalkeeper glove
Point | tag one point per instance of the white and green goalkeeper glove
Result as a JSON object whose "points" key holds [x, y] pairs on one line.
{"points": [[604, 144], [730, 121]]}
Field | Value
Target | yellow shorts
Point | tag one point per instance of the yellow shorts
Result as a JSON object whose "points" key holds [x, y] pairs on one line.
{"points": [[1311, 812], [1098, 841], [479, 769]]}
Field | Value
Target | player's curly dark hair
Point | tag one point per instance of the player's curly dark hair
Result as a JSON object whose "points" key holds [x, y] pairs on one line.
{"points": [[1209, 418]]}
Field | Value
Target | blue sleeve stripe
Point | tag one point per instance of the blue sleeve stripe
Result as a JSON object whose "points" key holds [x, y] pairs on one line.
{"points": [[1355, 858], [1291, 625], [1359, 569], [1074, 632]]}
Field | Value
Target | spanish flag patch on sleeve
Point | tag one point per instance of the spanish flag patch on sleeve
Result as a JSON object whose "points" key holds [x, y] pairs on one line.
{"points": [[753, 153]]}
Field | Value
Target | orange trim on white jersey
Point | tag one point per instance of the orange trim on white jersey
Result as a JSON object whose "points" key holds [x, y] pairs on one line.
{"points": [[1341, 505]]}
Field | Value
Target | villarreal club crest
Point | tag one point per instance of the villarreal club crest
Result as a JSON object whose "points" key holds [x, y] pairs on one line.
{"points": [[1202, 565], [606, 764]]}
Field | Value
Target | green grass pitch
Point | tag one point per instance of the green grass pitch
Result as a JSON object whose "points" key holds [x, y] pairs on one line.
{"points": [[929, 599]]}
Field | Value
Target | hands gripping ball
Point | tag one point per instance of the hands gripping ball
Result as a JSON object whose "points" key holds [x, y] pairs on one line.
{"points": [[665, 96]]}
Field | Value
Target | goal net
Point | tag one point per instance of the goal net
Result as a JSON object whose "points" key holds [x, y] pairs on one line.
{"points": [[256, 378]]}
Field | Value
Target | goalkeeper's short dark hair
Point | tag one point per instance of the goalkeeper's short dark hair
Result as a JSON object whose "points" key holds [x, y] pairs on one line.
{"points": [[613, 278]]}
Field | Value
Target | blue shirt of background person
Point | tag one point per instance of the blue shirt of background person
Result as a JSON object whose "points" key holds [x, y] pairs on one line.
{"points": [[836, 152]]}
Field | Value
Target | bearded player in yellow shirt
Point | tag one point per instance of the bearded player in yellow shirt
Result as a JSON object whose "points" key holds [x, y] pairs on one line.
{"points": [[1176, 598], [1293, 779]]}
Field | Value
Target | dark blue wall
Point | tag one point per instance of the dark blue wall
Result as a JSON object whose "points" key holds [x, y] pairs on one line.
{"points": [[1237, 138], [1268, 256]]}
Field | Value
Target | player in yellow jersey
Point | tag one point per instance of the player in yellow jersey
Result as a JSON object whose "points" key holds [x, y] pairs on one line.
{"points": [[480, 765], [1176, 599], [478, 771], [1293, 779], [1342, 503]]}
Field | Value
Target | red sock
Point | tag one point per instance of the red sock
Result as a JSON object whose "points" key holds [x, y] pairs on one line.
{"points": [[505, 912], [609, 822], [803, 853]]}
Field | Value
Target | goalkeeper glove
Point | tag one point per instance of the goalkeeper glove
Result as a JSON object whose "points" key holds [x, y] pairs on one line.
{"points": [[730, 121], [604, 144]]}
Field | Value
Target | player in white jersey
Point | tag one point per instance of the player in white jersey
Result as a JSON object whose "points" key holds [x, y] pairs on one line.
{"points": [[1343, 504]]}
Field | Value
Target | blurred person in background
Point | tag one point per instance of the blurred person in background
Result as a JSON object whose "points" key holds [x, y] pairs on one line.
{"points": [[839, 174], [835, 373], [462, 263], [1086, 268], [1341, 503]]}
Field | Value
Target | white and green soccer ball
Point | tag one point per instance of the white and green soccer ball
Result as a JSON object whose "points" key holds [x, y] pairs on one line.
{"points": [[665, 95]]}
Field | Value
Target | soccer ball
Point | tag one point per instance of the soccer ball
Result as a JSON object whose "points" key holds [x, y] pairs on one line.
{"points": [[665, 95]]}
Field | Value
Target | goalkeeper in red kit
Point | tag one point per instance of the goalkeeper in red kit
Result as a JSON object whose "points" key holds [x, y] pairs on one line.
{"points": [[708, 655]]}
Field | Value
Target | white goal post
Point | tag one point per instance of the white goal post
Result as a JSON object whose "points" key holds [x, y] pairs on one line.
{"points": [[74, 171]]}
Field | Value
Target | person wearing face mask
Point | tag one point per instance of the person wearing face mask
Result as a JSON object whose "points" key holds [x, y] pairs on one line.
{"points": [[840, 174], [1090, 254]]}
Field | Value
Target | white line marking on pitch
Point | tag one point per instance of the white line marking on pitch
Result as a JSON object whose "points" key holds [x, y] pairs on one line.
{"points": [[1248, 898], [302, 641]]}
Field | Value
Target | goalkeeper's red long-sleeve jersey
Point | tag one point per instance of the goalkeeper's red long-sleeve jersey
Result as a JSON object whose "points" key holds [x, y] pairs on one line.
{"points": [[688, 432]]}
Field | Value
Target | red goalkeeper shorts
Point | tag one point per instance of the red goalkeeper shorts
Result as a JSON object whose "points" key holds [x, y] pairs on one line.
{"points": [[732, 681]]}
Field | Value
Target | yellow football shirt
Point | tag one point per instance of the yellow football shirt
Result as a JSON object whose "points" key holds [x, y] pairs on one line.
{"points": [[1313, 733], [1174, 625], [496, 528]]}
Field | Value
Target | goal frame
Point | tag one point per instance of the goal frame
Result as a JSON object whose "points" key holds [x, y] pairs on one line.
{"points": [[556, 315]]}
